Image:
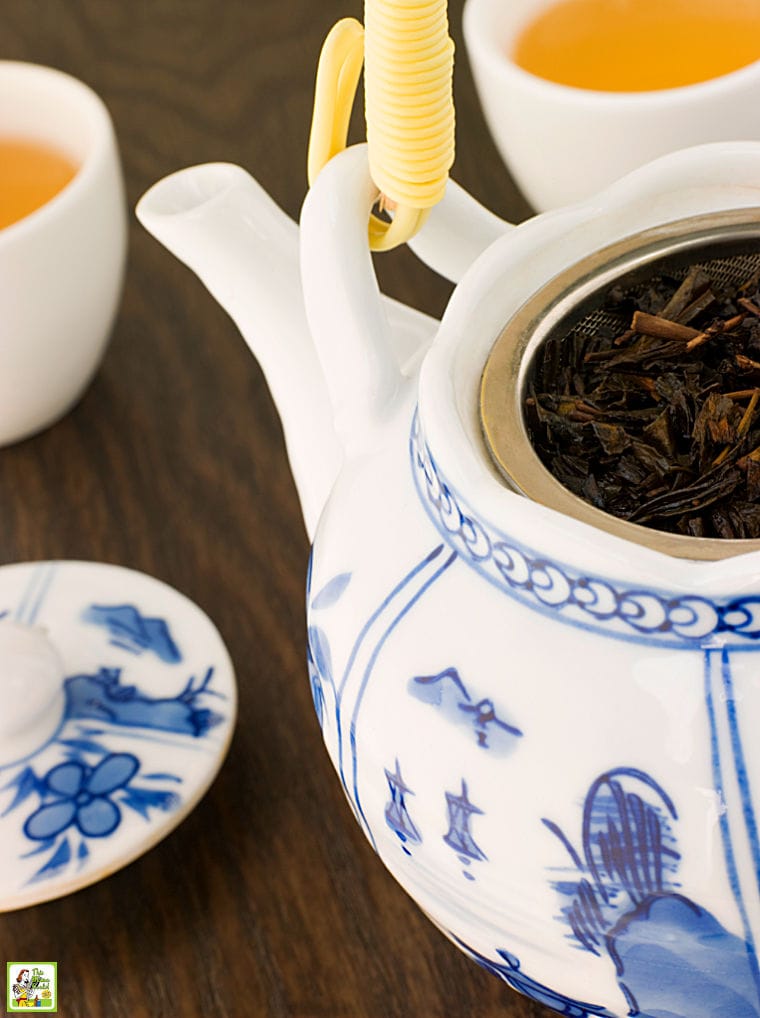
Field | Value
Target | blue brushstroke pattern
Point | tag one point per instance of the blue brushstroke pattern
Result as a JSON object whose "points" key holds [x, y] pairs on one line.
{"points": [[319, 661], [60, 858], [447, 691], [403, 612], [102, 697], [83, 854], [672, 958], [396, 810], [459, 836], [509, 970], [39, 849], [594, 604], [367, 627], [331, 591], [675, 959], [718, 782], [142, 800], [133, 631], [740, 764], [444, 689], [77, 746], [629, 853], [627, 842], [362, 635], [26, 783], [78, 795], [319, 646]]}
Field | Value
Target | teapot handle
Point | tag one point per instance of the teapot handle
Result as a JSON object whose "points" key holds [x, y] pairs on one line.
{"points": [[345, 311], [348, 318], [458, 230]]}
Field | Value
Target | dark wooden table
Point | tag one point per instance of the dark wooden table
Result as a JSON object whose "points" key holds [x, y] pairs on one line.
{"points": [[267, 900]]}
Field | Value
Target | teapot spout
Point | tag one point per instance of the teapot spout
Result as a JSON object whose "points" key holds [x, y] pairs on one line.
{"points": [[218, 221]]}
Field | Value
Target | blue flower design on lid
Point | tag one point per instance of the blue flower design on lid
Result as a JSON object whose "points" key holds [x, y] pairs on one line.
{"points": [[82, 798]]}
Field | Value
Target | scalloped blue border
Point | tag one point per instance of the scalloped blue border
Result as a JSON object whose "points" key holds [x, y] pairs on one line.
{"points": [[594, 603]]}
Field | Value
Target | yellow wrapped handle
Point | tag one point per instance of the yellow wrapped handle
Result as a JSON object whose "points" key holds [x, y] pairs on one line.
{"points": [[408, 69]]}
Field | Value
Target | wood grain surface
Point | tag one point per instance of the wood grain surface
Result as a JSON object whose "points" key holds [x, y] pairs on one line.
{"points": [[267, 901]]}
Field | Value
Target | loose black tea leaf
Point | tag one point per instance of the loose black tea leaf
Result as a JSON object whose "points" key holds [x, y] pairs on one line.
{"points": [[658, 423]]}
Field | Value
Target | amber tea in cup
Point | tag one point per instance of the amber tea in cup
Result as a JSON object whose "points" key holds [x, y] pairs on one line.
{"points": [[31, 173], [62, 243], [578, 93], [638, 45]]}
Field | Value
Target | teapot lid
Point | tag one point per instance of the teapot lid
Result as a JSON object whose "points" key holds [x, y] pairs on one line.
{"points": [[118, 701]]}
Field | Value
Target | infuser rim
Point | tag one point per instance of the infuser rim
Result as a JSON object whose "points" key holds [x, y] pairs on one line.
{"points": [[563, 298]]}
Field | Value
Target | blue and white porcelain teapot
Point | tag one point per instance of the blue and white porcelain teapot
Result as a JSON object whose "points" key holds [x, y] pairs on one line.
{"points": [[546, 729]]}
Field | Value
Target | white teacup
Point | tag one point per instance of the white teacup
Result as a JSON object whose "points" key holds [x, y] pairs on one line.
{"points": [[61, 267], [565, 144]]}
